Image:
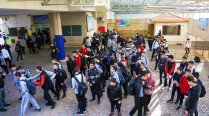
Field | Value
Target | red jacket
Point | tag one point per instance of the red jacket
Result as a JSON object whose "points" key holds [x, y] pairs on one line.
{"points": [[171, 71], [77, 60], [124, 61], [183, 84], [141, 47], [41, 81], [84, 51]]}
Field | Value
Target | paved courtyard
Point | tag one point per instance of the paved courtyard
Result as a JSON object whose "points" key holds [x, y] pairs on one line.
{"points": [[68, 105]]}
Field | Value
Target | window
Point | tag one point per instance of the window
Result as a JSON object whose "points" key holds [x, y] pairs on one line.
{"points": [[71, 30], [171, 29]]}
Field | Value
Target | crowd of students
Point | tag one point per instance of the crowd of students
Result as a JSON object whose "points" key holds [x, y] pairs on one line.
{"points": [[109, 56]]}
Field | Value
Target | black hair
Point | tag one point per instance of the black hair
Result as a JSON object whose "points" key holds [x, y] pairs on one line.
{"points": [[113, 80], [18, 74], [74, 51], [191, 79], [196, 74], [13, 65], [114, 68], [191, 62], [184, 57], [179, 68], [188, 70], [146, 72], [39, 68], [171, 56]]}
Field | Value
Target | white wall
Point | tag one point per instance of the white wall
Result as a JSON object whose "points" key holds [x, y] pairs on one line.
{"points": [[181, 37]]}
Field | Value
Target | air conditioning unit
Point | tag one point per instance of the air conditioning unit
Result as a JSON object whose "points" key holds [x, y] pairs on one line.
{"points": [[101, 19]]}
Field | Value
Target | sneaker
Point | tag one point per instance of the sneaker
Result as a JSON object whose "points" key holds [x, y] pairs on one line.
{"points": [[3, 110], [178, 107], [63, 96], [169, 101], [91, 99], [6, 105], [53, 105], [170, 88], [48, 104], [80, 113], [98, 102], [111, 114], [38, 110]]}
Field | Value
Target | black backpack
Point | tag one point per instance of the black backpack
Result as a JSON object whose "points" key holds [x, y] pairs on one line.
{"points": [[62, 73], [82, 87], [203, 91], [197, 59], [132, 87]]}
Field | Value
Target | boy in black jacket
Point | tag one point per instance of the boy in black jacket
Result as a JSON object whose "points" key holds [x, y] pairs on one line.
{"points": [[70, 65], [114, 93], [161, 66], [176, 79], [193, 97]]}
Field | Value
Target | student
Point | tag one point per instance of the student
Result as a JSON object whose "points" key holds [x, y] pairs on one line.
{"points": [[191, 66], [89, 56], [88, 42], [83, 62], [187, 46], [144, 59], [170, 66], [184, 64], [138, 95], [114, 93], [26, 96], [60, 79], [160, 50], [2, 93], [26, 72], [161, 67], [95, 85], [118, 54], [54, 51], [46, 84], [82, 101], [7, 57], [167, 53], [133, 62], [114, 73], [193, 97], [184, 87], [197, 75], [83, 50], [176, 79], [155, 45], [70, 65], [3, 63], [77, 59], [150, 83], [54, 61]]}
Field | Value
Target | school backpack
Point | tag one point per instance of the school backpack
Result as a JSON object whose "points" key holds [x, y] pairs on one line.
{"points": [[82, 87], [197, 59], [17, 48], [31, 87], [203, 91], [132, 87], [62, 73], [121, 77]]}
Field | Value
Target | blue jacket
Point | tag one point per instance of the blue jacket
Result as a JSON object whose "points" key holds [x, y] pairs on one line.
{"points": [[138, 87]]}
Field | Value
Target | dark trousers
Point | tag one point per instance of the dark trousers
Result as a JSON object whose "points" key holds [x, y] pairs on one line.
{"points": [[146, 101], [19, 55], [103, 81], [5, 68], [82, 70], [167, 83], [162, 74], [47, 95], [132, 66], [125, 86], [153, 53], [187, 50], [95, 90], [150, 44], [82, 102], [156, 63], [8, 62], [181, 98], [53, 91], [193, 113], [138, 106], [115, 103], [174, 90], [60, 85]]}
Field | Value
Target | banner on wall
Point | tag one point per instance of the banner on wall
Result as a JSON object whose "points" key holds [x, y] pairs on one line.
{"points": [[203, 24], [122, 22], [41, 21]]}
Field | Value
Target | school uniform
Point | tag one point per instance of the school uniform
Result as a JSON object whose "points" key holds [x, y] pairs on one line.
{"points": [[169, 70], [26, 97]]}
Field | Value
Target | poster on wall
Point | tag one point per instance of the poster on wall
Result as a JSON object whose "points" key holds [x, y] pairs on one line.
{"points": [[41, 21], [122, 22], [90, 23], [203, 24]]}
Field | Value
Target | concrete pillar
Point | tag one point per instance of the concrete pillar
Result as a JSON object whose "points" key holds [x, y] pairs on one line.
{"points": [[59, 38]]}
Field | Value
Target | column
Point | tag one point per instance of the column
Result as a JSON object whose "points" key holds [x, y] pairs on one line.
{"points": [[59, 38]]}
